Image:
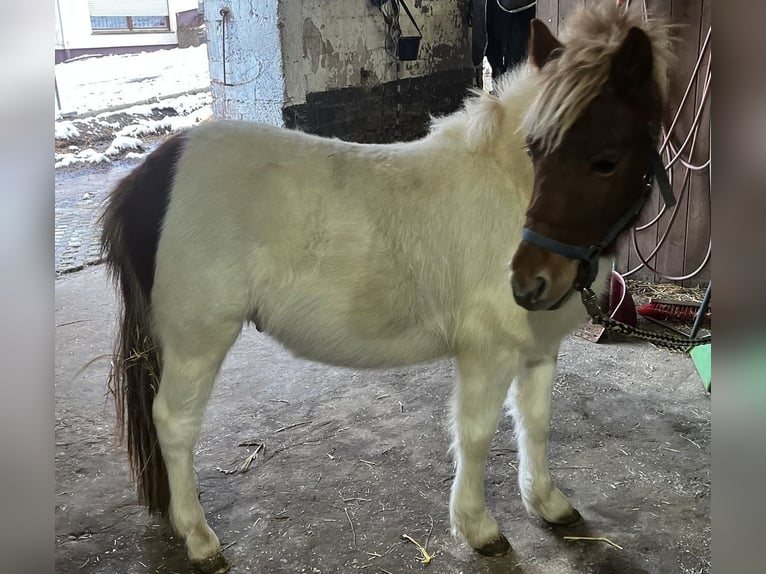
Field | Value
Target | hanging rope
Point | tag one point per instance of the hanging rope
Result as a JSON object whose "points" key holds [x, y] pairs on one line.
{"points": [[390, 11], [683, 155]]}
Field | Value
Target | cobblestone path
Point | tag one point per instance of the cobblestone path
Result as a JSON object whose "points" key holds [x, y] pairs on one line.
{"points": [[79, 194]]}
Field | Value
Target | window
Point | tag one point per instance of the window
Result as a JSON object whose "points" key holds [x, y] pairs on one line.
{"points": [[129, 15], [148, 22], [128, 23], [109, 23]]}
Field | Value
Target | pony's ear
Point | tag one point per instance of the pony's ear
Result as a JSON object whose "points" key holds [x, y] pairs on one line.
{"points": [[632, 64], [543, 45]]}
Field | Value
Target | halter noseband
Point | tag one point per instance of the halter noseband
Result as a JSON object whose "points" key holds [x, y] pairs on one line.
{"points": [[589, 255]]}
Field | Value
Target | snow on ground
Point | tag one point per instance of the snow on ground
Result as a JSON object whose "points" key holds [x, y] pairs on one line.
{"points": [[97, 83], [113, 82], [115, 133], [190, 109], [122, 143], [83, 156], [66, 130]]}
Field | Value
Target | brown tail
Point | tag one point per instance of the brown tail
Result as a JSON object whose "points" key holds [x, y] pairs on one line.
{"points": [[131, 223]]}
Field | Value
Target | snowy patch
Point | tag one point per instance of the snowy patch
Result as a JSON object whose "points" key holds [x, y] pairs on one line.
{"points": [[183, 105], [189, 103], [92, 156], [129, 86], [85, 156], [91, 84], [181, 122], [66, 131], [122, 143], [191, 110], [65, 159], [144, 127]]}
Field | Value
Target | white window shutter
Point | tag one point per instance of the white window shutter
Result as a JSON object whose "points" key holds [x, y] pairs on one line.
{"points": [[128, 7]]}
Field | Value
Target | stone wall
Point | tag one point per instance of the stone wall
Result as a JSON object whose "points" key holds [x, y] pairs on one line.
{"points": [[323, 67], [391, 111]]}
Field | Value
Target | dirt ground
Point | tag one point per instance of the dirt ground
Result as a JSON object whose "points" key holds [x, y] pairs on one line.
{"points": [[354, 459]]}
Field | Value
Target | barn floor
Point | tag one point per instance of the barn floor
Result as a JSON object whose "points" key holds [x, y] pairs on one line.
{"points": [[630, 445]]}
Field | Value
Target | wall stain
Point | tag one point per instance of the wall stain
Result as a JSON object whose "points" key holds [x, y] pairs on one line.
{"points": [[312, 44], [342, 45], [447, 52]]}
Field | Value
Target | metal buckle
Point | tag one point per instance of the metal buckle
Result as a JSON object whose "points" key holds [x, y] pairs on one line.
{"points": [[590, 300]]}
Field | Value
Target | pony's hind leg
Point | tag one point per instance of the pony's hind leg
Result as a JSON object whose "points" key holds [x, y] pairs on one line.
{"points": [[530, 401], [481, 392], [191, 360]]}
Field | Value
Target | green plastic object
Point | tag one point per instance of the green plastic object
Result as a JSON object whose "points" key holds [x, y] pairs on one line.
{"points": [[701, 356]]}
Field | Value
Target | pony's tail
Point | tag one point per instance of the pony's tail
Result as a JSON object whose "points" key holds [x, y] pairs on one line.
{"points": [[131, 222]]}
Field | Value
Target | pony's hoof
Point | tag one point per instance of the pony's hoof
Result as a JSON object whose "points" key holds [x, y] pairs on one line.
{"points": [[214, 565], [497, 547], [572, 519]]}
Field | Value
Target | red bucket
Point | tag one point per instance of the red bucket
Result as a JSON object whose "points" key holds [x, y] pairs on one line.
{"points": [[621, 305]]}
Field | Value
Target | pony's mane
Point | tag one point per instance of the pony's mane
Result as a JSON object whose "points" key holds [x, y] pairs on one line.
{"points": [[569, 82], [484, 116]]}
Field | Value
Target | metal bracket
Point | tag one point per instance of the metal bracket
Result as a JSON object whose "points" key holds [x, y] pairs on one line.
{"points": [[225, 12]]}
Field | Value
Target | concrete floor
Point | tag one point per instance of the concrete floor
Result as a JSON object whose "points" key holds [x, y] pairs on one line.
{"points": [[630, 446]]}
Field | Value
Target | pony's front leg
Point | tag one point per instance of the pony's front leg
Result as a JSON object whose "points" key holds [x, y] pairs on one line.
{"points": [[530, 400], [481, 392]]}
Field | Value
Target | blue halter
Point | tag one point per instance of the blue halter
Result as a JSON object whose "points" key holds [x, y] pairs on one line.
{"points": [[589, 255]]}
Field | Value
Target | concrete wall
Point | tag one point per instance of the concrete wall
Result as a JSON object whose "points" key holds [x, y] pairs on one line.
{"points": [[323, 67], [327, 45], [245, 56]]}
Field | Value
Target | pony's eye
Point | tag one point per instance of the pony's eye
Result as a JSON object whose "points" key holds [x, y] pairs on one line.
{"points": [[604, 167], [528, 150]]}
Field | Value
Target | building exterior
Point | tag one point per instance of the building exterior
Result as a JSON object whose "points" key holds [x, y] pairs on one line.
{"points": [[120, 26]]}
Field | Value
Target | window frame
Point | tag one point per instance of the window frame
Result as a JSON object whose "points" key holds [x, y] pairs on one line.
{"points": [[130, 29]]}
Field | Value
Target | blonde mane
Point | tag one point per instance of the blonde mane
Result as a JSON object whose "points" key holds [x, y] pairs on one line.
{"points": [[571, 81]]}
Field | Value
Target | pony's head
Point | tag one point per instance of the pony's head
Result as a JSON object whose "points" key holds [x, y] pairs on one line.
{"points": [[591, 135]]}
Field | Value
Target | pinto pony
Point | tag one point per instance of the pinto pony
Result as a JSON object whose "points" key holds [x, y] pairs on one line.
{"points": [[386, 255]]}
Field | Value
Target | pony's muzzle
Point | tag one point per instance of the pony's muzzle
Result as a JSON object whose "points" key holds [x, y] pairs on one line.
{"points": [[529, 294], [540, 279]]}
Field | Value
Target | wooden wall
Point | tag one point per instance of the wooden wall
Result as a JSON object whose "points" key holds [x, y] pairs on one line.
{"points": [[687, 238]]}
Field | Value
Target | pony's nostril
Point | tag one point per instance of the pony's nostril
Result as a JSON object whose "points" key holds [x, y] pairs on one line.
{"points": [[529, 294], [540, 287]]}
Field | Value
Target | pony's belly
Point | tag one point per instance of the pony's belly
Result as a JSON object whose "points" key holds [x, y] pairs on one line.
{"points": [[331, 342], [352, 311]]}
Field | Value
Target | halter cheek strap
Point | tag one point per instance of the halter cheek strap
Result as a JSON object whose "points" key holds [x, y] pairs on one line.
{"points": [[589, 255], [657, 169]]}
